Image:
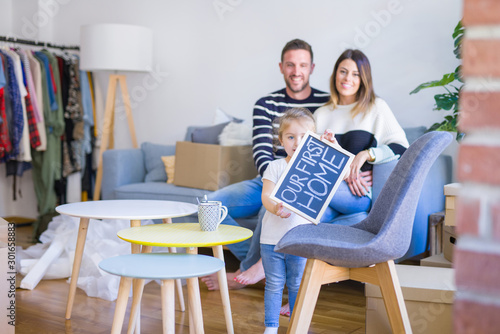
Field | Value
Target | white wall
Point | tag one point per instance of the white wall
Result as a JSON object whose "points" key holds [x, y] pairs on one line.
{"points": [[225, 53]]}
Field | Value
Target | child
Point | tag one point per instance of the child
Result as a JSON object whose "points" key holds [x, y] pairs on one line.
{"points": [[278, 267]]}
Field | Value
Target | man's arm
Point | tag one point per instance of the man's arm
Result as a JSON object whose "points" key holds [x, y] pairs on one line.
{"points": [[262, 137]]}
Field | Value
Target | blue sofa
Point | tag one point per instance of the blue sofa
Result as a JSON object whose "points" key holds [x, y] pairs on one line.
{"points": [[140, 174]]}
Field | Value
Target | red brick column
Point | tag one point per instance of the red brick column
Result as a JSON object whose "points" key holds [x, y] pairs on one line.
{"points": [[477, 253]]}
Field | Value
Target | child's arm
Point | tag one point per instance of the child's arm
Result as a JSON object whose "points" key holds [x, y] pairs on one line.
{"points": [[271, 206]]}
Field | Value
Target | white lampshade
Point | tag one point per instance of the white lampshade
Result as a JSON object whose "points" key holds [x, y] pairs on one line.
{"points": [[119, 47]]}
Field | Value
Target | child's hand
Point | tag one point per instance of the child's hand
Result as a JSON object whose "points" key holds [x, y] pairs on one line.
{"points": [[280, 211], [330, 136]]}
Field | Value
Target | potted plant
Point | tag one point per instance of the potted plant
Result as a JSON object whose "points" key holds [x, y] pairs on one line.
{"points": [[452, 83]]}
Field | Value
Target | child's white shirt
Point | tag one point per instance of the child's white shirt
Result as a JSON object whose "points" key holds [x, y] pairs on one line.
{"points": [[274, 227]]}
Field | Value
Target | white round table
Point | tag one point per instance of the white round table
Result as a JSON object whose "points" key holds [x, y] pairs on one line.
{"points": [[133, 210]]}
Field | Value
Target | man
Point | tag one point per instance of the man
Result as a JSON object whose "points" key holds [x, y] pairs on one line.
{"points": [[243, 199]]}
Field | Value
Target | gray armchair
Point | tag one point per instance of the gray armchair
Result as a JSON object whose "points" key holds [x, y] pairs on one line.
{"points": [[366, 251]]}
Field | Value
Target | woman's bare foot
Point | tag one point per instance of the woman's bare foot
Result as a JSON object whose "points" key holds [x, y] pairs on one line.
{"points": [[212, 282], [253, 275], [285, 310]]}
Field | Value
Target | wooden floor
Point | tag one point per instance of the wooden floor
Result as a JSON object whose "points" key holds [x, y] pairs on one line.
{"points": [[340, 309]]}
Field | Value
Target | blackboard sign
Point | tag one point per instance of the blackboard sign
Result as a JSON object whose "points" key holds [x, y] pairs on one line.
{"points": [[311, 177]]}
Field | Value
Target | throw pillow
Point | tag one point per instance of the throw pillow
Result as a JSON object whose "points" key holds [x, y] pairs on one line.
{"points": [[208, 134], [155, 169], [169, 162], [236, 134]]}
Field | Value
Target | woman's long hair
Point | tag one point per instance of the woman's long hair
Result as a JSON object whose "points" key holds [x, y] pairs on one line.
{"points": [[365, 96]]}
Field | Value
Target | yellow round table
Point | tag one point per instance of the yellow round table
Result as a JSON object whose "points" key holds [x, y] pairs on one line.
{"points": [[190, 236]]}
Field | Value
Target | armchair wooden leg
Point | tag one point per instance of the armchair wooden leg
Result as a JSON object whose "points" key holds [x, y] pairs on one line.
{"points": [[307, 296], [393, 297]]}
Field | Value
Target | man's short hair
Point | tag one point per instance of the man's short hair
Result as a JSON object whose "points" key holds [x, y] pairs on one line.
{"points": [[297, 44]]}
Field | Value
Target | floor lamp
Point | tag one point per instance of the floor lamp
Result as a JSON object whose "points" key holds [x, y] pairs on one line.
{"points": [[118, 48]]}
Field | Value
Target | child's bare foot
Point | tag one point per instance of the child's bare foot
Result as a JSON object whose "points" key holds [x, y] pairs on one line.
{"points": [[253, 275], [285, 310], [212, 282]]}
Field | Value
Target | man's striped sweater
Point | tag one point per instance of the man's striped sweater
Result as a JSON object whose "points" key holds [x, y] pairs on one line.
{"points": [[265, 111]]}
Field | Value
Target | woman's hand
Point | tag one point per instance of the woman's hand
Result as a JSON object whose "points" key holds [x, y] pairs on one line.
{"points": [[359, 182], [330, 136], [279, 210]]}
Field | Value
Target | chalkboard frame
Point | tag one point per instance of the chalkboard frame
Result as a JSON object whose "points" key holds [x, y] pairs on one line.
{"points": [[325, 200]]}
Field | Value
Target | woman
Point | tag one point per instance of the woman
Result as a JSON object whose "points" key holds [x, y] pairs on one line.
{"points": [[364, 125]]}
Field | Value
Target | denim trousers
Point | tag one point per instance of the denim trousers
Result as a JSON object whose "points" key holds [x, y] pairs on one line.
{"points": [[280, 268], [243, 200]]}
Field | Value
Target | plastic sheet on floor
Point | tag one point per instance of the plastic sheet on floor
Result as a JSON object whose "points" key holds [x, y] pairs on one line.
{"points": [[53, 257]]}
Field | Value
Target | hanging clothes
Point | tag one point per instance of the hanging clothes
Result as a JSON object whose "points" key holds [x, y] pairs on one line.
{"points": [[45, 123], [30, 101], [24, 144], [38, 101], [14, 113], [5, 145]]}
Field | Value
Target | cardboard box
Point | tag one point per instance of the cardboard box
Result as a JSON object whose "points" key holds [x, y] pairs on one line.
{"points": [[449, 240], [451, 192], [437, 260], [212, 167], [428, 294]]}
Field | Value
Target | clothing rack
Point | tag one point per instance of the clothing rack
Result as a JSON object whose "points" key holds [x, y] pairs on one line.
{"points": [[43, 44]]}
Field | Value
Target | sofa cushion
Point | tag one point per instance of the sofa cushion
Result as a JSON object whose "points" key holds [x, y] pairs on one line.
{"points": [[159, 191], [413, 134], [155, 169], [208, 134]]}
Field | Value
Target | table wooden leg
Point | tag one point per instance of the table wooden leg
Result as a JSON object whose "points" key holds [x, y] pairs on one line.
{"points": [[224, 289], [168, 306], [192, 297], [136, 249], [178, 282], [194, 301], [138, 288], [146, 249], [121, 305], [80, 244]]}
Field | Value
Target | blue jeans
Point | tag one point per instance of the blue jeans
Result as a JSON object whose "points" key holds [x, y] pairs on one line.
{"points": [[345, 203], [243, 200], [280, 268], [342, 203]]}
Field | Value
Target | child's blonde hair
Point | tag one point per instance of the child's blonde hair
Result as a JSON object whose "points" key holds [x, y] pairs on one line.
{"points": [[290, 115]]}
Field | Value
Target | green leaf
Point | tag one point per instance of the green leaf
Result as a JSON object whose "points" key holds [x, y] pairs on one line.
{"points": [[457, 51], [458, 35], [458, 74], [459, 30], [433, 127], [446, 79], [445, 101]]}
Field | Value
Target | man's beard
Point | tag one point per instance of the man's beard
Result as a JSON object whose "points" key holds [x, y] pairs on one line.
{"points": [[295, 90]]}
